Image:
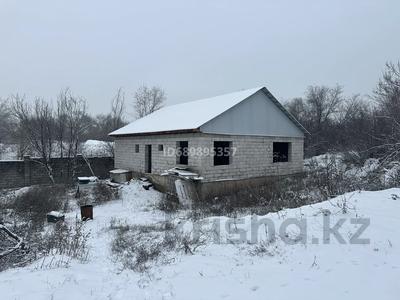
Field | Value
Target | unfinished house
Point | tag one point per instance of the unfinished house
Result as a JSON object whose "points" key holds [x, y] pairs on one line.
{"points": [[213, 143]]}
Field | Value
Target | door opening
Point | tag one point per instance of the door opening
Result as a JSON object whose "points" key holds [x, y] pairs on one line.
{"points": [[147, 159], [182, 152]]}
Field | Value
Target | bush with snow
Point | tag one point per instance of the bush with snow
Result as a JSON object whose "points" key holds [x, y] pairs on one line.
{"points": [[89, 148], [95, 148], [33, 204], [345, 172]]}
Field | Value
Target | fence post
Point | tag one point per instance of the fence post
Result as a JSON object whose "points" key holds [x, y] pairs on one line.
{"points": [[27, 170]]}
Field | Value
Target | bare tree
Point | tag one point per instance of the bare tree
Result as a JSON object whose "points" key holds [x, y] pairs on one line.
{"points": [[298, 108], [4, 123], [318, 112], [148, 100], [36, 122], [74, 115], [387, 92], [387, 95], [114, 120], [72, 122], [354, 126], [324, 103], [118, 110], [42, 127], [61, 120], [5, 120]]}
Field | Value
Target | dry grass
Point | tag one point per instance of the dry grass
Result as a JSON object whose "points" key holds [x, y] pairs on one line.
{"points": [[138, 247]]}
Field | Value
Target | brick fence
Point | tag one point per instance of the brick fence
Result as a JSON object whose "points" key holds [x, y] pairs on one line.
{"points": [[30, 171]]}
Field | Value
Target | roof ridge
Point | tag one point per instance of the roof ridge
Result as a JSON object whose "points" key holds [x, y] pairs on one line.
{"points": [[212, 97], [198, 117]]}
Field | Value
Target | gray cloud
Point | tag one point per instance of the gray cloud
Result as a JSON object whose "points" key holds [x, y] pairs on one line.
{"points": [[193, 49]]}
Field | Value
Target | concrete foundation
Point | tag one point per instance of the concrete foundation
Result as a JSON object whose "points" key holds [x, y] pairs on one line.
{"points": [[207, 190]]}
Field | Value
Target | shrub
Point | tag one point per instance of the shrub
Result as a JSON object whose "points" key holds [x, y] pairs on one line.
{"points": [[265, 248], [354, 158], [325, 177], [103, 193], [98, 193], [66, 240], [136, 247], [56, 247], [168, 203], [37, 201]]}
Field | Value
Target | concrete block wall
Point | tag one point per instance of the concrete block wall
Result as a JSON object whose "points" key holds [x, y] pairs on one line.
{"points": [[12, 174], [251, 155], [127, 158], [30, 171]]}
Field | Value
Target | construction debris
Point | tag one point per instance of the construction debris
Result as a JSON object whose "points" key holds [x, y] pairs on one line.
{"points": [[146, 183], [113, 184], [55, 216], [183, 173], [86, 180]]}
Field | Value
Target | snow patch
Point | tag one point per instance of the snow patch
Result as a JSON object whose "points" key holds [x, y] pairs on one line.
{"points": [[228, 270]]}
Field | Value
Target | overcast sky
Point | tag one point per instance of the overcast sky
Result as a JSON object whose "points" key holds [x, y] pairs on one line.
{"points": [[193, 49]]}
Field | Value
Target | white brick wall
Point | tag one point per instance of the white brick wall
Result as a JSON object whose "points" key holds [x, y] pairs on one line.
{"points": [[253, 156]]}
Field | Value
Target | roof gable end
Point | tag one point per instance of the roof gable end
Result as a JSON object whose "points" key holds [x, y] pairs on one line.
{"points": [[260, 114]]}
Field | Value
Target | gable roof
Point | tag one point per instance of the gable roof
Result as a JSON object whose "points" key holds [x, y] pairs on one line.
{"points": [[189, 116]]}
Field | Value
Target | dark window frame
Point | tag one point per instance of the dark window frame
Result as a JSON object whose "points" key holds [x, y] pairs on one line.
{"points": [[281, 152], [182, 152], [222, 153], [137, 148], [160, 147]]}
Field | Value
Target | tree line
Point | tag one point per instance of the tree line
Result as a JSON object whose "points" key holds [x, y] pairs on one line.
{"points": [[47, 129], [66, 121], [368, 125]]}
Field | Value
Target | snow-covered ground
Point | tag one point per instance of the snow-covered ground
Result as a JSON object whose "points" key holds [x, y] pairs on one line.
{"points": [[307, 270]]}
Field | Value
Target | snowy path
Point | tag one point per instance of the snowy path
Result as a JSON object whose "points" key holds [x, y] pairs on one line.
{"points": [[227, 271]]}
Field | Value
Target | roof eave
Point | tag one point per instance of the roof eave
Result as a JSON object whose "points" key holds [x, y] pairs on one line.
{"points": [[180, 131]]}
